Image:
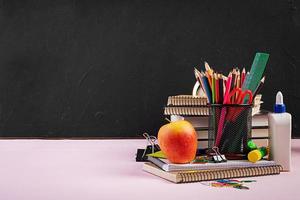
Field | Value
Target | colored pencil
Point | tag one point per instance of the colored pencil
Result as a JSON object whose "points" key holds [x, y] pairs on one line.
{"points": [[213, 89], [206, 85], [237, 82], [221, 90], [224, 109], [208, 78], [243, 76], [233, 81], [208, 72], [245, 79], [220, 126], [198, 78], [207, 67], [217, 87], [203, 84], [227, 89]]}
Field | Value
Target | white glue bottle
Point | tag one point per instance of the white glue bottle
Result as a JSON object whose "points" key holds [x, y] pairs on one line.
{"points": [[280, 133]]}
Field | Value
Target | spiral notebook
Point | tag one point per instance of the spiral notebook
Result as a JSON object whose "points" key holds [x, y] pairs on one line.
{"points": [[206, 175]]}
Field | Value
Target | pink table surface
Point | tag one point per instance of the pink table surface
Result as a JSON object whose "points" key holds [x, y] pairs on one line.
{"points": [[106, 169]]}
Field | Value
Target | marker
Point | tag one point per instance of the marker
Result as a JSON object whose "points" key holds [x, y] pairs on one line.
{"points": [[257, 154]]}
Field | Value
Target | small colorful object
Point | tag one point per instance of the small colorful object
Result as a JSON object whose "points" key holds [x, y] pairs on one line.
{"points": [[230, 183]]}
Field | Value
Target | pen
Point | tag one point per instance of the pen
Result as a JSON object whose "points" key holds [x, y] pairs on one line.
{"points": [[262, 81]]}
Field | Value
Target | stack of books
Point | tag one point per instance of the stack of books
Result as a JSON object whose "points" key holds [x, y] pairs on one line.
{"points": [[195, 110], [183, 173]]}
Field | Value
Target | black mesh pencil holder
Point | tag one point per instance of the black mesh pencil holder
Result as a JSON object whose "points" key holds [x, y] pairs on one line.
{"points": [[229, 128]]}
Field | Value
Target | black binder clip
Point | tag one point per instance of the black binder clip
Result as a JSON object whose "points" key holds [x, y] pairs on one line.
{"points": [[151, 147], [218, 157]]}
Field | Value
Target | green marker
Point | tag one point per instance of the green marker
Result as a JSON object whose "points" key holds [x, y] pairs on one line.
{"points": [[251, 145]]}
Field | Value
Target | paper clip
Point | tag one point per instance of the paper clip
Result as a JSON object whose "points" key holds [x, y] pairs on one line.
{"points": [[152, 141], [218, 157]]}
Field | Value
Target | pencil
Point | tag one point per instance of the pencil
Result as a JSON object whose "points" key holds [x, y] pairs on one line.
{"points": [[224, 110], [213, 89], [232, 85], [217, 88], [238, 80], [208, 78], [199, 78], [207, 87], [243, 76], [221, 90], [245, 79], [227, 89], [262, 81], [209, 72], [207, 67]]}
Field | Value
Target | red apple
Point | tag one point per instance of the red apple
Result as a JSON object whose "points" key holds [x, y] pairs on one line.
{"points": [[178, 141]]}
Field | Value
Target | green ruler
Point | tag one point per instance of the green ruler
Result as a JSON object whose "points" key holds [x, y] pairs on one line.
{"points": [[256, 72]]}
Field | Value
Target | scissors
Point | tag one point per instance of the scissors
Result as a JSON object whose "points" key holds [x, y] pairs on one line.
{"points": [[240, 96]]}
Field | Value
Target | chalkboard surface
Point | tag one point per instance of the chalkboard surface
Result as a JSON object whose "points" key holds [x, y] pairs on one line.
{"points": [[80, 68]]}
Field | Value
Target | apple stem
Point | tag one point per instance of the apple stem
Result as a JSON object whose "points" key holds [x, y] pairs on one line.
{"points": [[168, 120]]}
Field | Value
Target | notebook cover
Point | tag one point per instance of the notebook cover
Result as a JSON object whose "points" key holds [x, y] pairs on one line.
{"points": [[166, 166]]}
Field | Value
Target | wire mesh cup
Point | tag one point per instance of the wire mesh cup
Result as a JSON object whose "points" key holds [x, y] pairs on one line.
{"points": [[230, 127]]}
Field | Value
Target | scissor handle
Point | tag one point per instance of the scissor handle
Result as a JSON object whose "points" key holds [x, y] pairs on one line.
{"points": [[243, 94], [240, 96], [232, 93]]}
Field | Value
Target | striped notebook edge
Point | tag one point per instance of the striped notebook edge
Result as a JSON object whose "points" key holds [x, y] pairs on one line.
{"points": [[207, 175], [187, 111], [187, 100]]}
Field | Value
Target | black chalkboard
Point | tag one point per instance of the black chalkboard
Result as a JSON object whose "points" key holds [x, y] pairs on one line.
{"points": [[80, 68]]}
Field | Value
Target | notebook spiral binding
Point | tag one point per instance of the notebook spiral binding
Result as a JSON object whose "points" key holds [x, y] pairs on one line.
{"points": [[194, 176]]}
